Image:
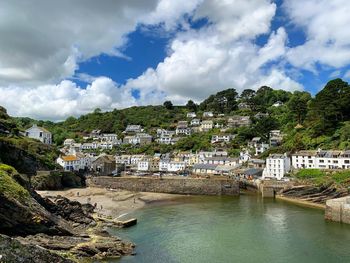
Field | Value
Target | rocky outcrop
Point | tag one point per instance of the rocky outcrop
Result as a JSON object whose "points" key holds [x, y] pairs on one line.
{"points": [[13, 251], [57, 180], [72, 211], [56, 224], [314, 194], [96, 247]]}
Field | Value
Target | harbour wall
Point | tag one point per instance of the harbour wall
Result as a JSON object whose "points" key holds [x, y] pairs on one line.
{"points": [[192, 186], [338, 210]]}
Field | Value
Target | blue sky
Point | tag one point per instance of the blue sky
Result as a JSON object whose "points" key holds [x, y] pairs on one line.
{"points": [[123, 53]]}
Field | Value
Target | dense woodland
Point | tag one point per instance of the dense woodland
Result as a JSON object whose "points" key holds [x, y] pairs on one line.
{"points": [[308, 122]]}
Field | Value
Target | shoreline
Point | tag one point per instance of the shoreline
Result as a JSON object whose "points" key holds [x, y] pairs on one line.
{"points": [[111, 202], [301, 202]]}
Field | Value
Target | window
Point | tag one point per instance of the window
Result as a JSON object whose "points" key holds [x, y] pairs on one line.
{"points": [[41, 134]]}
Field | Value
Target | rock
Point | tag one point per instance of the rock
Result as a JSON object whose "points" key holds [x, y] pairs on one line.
{"points": [[70, 210], [21, 214], [13, 251], [81, 247]]}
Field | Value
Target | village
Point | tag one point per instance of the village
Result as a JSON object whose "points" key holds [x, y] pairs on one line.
{"points": [[92, 154]]}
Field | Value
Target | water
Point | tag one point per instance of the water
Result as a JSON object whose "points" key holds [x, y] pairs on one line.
{"points": [[235, 229]]}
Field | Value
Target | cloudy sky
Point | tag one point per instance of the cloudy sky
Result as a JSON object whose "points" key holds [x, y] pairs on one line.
{"points": [[66, 58]]}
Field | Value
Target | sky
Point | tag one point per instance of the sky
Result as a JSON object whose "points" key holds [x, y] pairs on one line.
{"points": [[66, 58]]}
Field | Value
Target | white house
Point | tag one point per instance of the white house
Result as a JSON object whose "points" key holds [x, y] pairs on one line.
{"points": [[319, 159], [277, 166], [69, 162], [133, 129], [244, 156], [225, 138], [206, 125], [276, 137], [304, 159], [68, 142], [176, 166], [258, 145], [208, 114], [191, 115], [39, 133], [277, 104], [143, 165], [195, 122]]}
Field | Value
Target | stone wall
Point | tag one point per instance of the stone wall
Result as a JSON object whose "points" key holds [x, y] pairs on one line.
{"points": [[169, 185], [338, 210]]}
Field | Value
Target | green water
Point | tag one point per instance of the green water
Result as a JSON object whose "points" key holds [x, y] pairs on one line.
{"points": [[237, 229]]}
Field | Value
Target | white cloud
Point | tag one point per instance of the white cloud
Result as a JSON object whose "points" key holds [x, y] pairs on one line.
{"points": [[222, 54], [219, 56], [57, 102], [42, 41], [327, 36]]}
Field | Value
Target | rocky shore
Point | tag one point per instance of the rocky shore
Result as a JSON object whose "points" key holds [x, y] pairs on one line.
{"points": [[39, 229], [311, 195]]}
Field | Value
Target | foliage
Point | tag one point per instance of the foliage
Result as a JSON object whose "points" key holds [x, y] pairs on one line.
{"points": [[8, 186], [310, 173], [222, 102], [168, 105]]}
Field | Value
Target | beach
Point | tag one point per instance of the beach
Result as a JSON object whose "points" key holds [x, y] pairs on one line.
{"points": [[112, 202]]}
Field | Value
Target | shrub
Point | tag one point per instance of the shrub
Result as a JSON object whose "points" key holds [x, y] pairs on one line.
{"points": [[310, 174]]}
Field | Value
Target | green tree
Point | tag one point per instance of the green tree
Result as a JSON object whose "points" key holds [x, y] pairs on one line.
{"points": [[168, 105], [191, 106], [298, 105]]}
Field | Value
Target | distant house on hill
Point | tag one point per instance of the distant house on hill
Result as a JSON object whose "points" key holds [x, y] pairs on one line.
{"points": [[39, 133], [238, 121], [208, 114], [191, 115], [133, 129]]}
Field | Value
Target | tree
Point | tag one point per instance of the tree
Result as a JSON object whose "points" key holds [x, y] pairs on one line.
{"points": [[329, 107], [222, 102], [191, 106], [97, 111], [298, 104], [168, 105]]}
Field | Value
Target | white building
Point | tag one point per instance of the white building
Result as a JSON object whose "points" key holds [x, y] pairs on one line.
{"points": [[191, 115], [143, 165], [175, 166], [320, 159], [133, 129], [277, 166], [277, 104], [225, 138], [258, 145], [74, 162], [244, 156], [195, 122], [208, 114], [39, 133], [206, 125], [68, 142]]}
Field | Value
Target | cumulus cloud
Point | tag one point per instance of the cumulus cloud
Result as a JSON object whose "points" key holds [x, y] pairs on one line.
{"points": [[44, 45], [325, 24], [220, 55], [57, 102], [43, 41]]}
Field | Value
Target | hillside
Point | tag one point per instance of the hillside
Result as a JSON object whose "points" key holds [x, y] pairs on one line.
{"points": [[25, 154], [308, 122]]}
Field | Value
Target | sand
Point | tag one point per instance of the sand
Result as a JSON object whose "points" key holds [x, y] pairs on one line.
{"points": [[110, 202]]}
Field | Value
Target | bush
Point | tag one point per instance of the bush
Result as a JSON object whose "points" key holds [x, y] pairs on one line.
{"points": [[310, 174], [341, 177]]}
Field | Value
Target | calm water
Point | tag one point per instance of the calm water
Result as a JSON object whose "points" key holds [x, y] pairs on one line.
{"points": [[242, 229]]}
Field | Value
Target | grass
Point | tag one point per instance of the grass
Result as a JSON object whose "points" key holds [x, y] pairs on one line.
{"points": [[9, 187], [310, 174]]}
